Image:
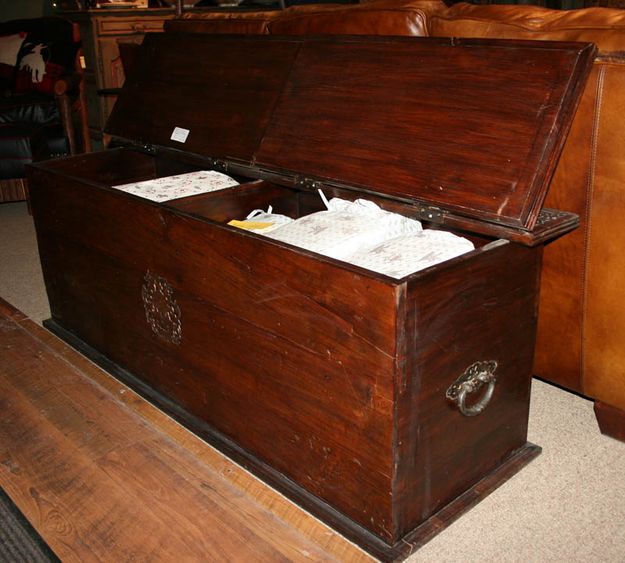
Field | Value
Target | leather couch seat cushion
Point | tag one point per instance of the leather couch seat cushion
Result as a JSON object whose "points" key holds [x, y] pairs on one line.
{"points": [[53, 142], [15, 149], [23, 143]]}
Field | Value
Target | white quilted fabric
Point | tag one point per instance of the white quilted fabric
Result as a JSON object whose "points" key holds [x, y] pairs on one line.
{"points": [[345, 228], [181, 185], [362, 234], [407, 254]]}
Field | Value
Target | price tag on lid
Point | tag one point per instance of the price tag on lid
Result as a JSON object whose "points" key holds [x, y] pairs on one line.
{"points": [[179, 134]]}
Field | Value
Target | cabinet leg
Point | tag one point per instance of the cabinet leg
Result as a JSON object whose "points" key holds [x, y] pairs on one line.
{"points": [[611, 420]]}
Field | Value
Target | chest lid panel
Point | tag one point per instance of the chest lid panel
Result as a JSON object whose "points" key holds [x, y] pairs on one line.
{"points": [[222, 91], [474, 127]]}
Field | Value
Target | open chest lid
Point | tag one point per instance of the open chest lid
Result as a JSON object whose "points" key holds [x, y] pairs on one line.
{"points": [[473, 127]]}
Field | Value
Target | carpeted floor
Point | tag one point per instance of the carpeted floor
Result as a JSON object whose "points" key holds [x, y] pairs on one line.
{"points": [[566, 506], [21, 282]]}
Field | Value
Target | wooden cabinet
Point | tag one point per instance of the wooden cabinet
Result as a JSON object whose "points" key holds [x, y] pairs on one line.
{"points": [[102, 31]]}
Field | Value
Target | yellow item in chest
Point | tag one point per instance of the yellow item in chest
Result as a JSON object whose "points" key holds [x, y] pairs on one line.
{"points": [[250, 225]]}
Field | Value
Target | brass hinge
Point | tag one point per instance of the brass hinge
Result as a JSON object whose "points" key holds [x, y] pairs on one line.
{"points": [[219, 165], [308, 184]]}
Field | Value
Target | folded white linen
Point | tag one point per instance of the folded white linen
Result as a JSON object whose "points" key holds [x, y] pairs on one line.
{"points": [[344, 228], [180, 185], [407, 254]]}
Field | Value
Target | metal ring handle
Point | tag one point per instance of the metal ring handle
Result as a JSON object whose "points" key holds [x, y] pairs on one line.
{"points": [[478, 407], [471, 381]]}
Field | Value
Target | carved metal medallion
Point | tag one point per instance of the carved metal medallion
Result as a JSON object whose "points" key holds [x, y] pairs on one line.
{"points": [[161, 310]]}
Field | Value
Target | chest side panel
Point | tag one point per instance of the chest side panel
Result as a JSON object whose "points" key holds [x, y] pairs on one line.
{"points": [[290, 357], [478, 310]]}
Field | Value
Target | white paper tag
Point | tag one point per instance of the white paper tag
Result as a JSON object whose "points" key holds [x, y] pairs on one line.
{"points": [[179, 134]]}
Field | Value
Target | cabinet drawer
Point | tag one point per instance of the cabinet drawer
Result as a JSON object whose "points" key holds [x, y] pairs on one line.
{"points": [[128, 25]]}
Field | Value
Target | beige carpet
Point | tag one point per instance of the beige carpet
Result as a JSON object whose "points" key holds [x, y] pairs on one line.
{"points": [[566, 506]]}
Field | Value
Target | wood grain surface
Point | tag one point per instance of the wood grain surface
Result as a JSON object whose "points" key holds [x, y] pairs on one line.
{"points": [[330, 377], [611, 420], [103, 475], [473, 127]]}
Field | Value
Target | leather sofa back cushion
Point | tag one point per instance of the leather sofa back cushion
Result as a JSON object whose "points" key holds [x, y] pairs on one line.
{"points": [[381, 17], [254, 23], [603, 26]]}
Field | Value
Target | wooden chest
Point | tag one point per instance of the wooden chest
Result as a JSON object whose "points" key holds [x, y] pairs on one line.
{"points": [[385, 406]]}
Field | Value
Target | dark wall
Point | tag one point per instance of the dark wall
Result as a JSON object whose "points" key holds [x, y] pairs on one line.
{"points": [[12, 9]]}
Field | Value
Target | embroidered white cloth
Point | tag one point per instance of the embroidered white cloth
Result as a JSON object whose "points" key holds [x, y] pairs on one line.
{"points": [[181, 185], [408, 254], [362, 234], [344, 228]]}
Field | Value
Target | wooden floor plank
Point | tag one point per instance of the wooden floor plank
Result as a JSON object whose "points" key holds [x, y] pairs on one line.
{"points": [[52, 482], [103, 475], [208, 510]]}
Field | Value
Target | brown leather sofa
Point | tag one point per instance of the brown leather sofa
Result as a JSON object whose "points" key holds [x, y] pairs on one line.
{"points": [[581, 333]]}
